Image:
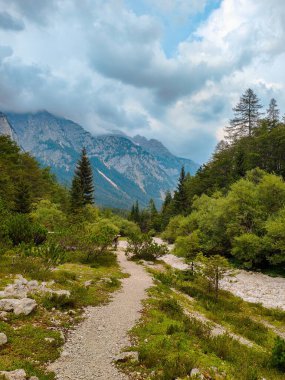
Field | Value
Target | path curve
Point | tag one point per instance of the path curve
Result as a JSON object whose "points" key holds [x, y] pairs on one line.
{"points": [[89, 350]]}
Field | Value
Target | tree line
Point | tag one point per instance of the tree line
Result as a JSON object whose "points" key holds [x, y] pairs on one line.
{"points": [[234, 205]]}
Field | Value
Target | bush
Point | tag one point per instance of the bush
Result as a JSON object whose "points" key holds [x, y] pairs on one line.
{"points": [[21, 229], [58, 301], [142, 247], [51, 254], [278, 354], [101, 235], [49, 215]]}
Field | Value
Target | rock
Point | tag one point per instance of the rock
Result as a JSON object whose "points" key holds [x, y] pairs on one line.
{"points": [[34, 378], [25, 306], [88, 283], [125, 356], [18, 374], [3, 339], [49, 340], [8, 304], [196, 374], [22, 306]]}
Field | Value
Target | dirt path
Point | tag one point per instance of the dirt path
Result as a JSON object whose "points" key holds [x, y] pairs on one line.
{"points": [[90, 349]]}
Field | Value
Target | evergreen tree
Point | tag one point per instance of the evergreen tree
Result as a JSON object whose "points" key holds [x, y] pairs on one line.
{"points": [[76, 194], [23, 201], [166, 210], [154, 220], [180, 195], [135, 213], [273, 113], [82, 190], [246, 116]]}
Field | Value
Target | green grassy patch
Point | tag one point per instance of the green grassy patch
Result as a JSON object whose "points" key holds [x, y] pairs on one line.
{"points": [[36, 339], [170, 343]]}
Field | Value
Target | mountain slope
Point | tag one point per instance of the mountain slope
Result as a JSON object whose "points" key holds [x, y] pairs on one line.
{"points": [[168, 162], [124, 170]]}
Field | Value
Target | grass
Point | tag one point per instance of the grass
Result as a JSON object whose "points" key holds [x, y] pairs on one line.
{"points": [[171, 343], [27, 345]]}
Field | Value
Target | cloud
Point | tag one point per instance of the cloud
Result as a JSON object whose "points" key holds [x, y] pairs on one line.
{"points": [[36, 11], [7, 22], [105, 65]]}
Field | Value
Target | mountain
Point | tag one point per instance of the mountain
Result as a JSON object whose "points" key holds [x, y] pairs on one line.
{"points": [[168, 162], [124, 169]]}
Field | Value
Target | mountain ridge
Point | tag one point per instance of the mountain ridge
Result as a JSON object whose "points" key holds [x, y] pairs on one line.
{"points": [[124, 169]]}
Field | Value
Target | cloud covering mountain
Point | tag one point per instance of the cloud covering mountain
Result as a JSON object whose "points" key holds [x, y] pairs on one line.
{"points": [[170, 69]]}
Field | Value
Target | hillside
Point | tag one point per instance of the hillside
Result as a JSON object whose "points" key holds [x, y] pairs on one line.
{"points": [[124, 169]]}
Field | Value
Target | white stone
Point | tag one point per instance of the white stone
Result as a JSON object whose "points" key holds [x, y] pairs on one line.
{"points": [[22, 306], [18, 374], [3, 339], [195, 372]]}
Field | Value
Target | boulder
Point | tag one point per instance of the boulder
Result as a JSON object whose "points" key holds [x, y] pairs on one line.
{"points": [[25, 306], [3, 339], [18, 374], [8, 304], [18, 306]]}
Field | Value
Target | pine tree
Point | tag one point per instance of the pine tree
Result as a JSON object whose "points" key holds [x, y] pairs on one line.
{"points": [[23, 200], [180, 195], [246, 116], [166, 210], [135, 212], [82, 189], [273, 113]]}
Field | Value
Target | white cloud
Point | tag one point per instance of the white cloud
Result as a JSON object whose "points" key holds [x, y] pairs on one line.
{"points": [[103, 65]]}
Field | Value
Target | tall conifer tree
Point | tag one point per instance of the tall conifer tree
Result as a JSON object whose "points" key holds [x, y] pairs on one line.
{"points": [[180, 195], [82, 189], [246, 116], [273, 113]]}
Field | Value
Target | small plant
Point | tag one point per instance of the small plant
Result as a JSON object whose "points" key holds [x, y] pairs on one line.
{"points": [[213, 269], [58, 301], [278, 354], [51, 254]]}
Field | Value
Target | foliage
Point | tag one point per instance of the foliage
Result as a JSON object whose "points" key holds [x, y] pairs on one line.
{"points": [[23, 181], [142, 247], [51, 254], [100, 235], [278, 354], [188, 247], [213, 269], [82, 190], [48, 214], [20, 229], [246, 116]]}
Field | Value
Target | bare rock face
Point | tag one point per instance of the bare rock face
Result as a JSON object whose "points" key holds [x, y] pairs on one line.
{"points": [[23, 306], [3, 339]]}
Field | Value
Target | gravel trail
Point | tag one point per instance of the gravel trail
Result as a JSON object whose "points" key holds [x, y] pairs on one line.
{"points": [[92, 346]]}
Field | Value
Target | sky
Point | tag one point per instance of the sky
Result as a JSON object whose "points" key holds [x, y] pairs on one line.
{"points": [[165, 69]]}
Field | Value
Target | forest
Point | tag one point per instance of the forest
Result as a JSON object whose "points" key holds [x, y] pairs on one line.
{"points": [[235, 204]]}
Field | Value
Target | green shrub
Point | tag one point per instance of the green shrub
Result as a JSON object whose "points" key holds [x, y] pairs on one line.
{"points": [[278, 354], [21, 229], [51, 254], [58, 301], [171, 307], [142, 247]]}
